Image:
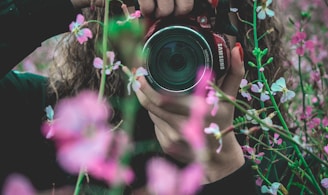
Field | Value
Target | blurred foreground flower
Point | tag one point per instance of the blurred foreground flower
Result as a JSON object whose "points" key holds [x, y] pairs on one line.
{"points": [[85, 141], [17, 184], [164, 178]]}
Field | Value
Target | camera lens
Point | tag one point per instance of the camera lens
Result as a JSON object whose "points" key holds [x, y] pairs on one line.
{"points": [[174, 55], [177, 62]]}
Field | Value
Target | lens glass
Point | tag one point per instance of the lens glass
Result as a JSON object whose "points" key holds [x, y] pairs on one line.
{"points": [[174, 55]]}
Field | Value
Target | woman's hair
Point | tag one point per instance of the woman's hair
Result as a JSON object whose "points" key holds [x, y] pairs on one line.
{"points": [[274, 31], [72, 69], [73, 63], [273, 40]]}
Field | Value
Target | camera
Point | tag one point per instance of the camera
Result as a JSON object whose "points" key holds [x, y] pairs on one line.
{"points": [[176, 48]]}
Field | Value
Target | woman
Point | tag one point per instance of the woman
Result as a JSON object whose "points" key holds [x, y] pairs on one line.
{"points": [[34, 156]]}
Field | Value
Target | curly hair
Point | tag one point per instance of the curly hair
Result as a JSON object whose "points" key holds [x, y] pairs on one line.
{"points": [[274, 30], [72, 68]]}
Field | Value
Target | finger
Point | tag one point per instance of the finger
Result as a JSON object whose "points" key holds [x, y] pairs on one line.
{"points": [[164, 8], [183, 7], [171, 140], [236, 72], [153, 95], [158, 111], [178, 104], [147, 7], [164, 130]]}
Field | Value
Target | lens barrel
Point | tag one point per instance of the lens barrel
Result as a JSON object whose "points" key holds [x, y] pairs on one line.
{"points": [[174, 52]]}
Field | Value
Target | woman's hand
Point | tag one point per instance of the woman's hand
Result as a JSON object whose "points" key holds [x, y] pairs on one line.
{"points": [[79, 4], [169, 113], [162, 8]]}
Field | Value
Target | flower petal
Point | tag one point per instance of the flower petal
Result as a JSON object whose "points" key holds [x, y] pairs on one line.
{"points": [[269, 12]]}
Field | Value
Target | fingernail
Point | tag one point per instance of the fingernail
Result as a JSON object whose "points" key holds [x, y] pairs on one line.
{"points": [[241, 51]]}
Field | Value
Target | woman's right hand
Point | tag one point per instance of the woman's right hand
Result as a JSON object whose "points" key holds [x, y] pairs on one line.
{"points": [[162, 8], [79, 4]]}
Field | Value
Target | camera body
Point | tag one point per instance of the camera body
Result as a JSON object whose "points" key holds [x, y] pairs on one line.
{"points": [[176, 48]]}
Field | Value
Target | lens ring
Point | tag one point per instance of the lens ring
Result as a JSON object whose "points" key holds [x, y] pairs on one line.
{"points": [[184, 45]]}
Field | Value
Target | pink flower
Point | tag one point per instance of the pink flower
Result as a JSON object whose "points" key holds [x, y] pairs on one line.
{"points": [[192, 131], [314, 123], [276, 139], [251, 154], [73, 117], [325, 121], [84, 140], [259, 181], [213, 99], [243, 89], [307, 114], [18, 184], [112, 172], [193, 128], [325, 148], [165, 178], [82, 34], [98, 63], [192, 178], [315, 76], [110, 169], [299, 40], [136, 14], [324, 183], [258, 88], [84, 152]]}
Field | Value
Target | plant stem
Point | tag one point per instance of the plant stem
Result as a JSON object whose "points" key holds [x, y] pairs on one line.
{"points": [[296, 148], [104, 50], [262, 78], [303, 91], [79, 182]]}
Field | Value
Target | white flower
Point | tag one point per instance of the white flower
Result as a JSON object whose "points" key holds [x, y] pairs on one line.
{"points": [[215, 130], [133, 77], [273, 189], [280, 86], [252, 112], [263, 10]]}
